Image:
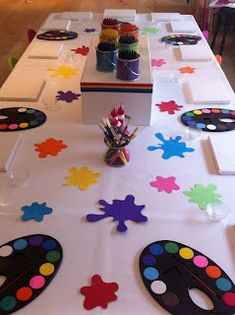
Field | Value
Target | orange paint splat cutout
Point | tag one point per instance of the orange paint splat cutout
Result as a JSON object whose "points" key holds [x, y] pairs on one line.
{"points": [[187, 70], [82, 178], [49, 147], [63, 70]]}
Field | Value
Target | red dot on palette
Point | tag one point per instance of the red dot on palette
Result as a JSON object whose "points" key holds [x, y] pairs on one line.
{"points": [[213, 272], [13, 126], [3, 126], [229, 298], [24, 294], [233, 113]]}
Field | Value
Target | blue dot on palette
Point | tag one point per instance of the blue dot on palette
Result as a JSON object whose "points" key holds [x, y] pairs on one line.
{"points": [[28, 266], [210, 119], [170, 269], [20, 118]]}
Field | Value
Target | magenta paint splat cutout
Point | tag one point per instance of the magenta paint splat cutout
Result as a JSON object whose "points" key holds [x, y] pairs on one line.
{"points": [[167, 184], [20, 118], [121, 211], [68, 96]]}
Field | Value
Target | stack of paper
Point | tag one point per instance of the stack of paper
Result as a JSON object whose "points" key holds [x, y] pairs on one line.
{"points": [[45, 50], [120, 15], [223, 150], [56, 24], [166, 17], [183, 27], [195, 53], [76, 15], [9, 144]]}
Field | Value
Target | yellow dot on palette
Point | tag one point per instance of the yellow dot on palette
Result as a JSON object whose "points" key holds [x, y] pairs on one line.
{"points": [[46, 269], [23, 125], [186, 253], [197, 112]]}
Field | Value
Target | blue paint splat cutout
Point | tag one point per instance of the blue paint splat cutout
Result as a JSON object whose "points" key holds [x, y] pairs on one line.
{"points": [[120, 210], [68, 96], [36, 211], [171, 147]]}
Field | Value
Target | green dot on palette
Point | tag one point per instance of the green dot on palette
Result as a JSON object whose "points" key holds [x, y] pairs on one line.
{"points": [[171, 247], [53, 256], [8, 303]]}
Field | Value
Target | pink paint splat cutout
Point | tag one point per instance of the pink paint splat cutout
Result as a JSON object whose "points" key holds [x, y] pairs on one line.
{"points": [[165, 184], [158, 62], [100, 293], [169, 107]]}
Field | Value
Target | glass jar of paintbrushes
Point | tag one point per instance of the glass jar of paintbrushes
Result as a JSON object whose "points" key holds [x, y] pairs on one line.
{"points": [[117, 153]]}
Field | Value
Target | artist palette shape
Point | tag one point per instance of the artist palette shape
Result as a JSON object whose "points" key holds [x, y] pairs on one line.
{"points": [[181, 39], [20, 118], [170, 269], [210, 119], [57, 35], [29, 264]]}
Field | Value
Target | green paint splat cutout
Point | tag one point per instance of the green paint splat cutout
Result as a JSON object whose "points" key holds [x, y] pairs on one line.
{"points": [[203, 196], [150, 30]]}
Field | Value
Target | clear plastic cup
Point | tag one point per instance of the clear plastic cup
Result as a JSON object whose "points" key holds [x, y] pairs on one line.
{"points": [[217, 212], [192, 134], [17, 177]]}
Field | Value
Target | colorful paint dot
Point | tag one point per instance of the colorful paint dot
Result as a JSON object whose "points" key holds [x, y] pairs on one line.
{"points": [[200, 125], [225, 111], [13, 126], [20, 244], [186, 253], [23, 125], [148, 260], [233, 113], [223, 284], [53, 256], [200, 261], [47, 269], [197, 112], [190, 114], [35, 240], [171, 247], [33, 123], [151, 273], [3, 126], [192, 123], [215, 110], [31, 110], [8, 303], [170, 299], [186, 118], [229, 298], [37, 282], [24, 294], [49, 244], [158, 287], [156, 249], [211, 127], [6, 251], [205, 110], [22, 110], [213, 272]]}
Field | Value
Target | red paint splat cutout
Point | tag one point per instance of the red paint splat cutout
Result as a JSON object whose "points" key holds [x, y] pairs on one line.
{"points": [[100, 293], [49, 147], [81, 50], [169, 107]]}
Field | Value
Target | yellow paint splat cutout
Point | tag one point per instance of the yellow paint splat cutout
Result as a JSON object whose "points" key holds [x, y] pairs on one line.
{"points": [[82, 178], [63, 70]]}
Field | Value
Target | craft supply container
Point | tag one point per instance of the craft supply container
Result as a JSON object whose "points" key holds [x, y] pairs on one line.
{"points": [[116, 156], [106, 61], [128, 69]]}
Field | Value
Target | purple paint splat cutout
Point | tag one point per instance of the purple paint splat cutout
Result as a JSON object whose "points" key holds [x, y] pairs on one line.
{"points": [[120, 210], [89, 30], [68, 96]]}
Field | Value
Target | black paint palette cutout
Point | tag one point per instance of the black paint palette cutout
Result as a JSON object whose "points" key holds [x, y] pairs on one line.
{"points": [[20, 118], [210, 119], [57, 35], [170, 269], [29, 264], [181, 39]]}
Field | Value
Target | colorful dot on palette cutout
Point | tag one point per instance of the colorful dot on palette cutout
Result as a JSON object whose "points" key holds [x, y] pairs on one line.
{"points": [[211, 127], [23, 125], [53, 256], [22, 110], [223, 284], [49, 244], [35, 240], [197, 112], [47, 269], [233, 113], [200, 125], [37, 282], [158, 287], [151, 273], [20, 244], [186, 253], [215, 110], [3, 126], [225, 111], [8, 303], [6, 251], [190, 114], [13, 126], [170, 299], [191, 123], [206, 110], [33, 123], [148, 260], [213, 272], [200, 261], [31, 110], [156, 249], [186, 118], [24, 294], [171, 247], [229, 298]]}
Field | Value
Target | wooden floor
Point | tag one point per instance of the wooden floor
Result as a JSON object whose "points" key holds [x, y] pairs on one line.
{"points": [[16, 16]]}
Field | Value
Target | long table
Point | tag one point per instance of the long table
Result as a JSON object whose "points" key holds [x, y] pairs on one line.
{"points": [[96, 248]]}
